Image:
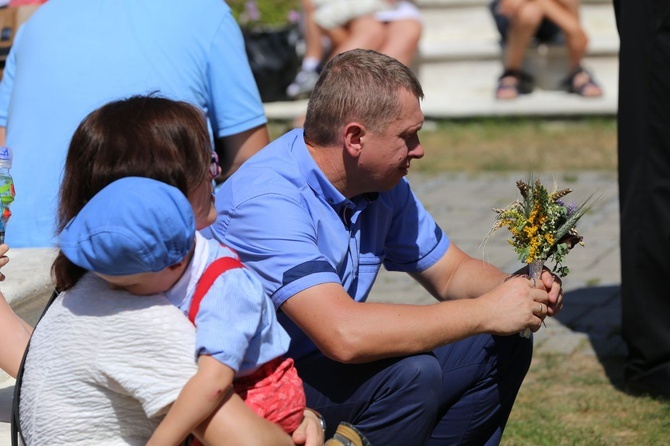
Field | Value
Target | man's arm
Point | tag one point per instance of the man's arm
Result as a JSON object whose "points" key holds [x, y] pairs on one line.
{"points": [[354, 332], [452, 278], [235, 149], [3, 136]]}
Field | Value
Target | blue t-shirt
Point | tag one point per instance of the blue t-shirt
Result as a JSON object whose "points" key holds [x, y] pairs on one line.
{"points": [[236, 323], [73, 56], [291, 226]]}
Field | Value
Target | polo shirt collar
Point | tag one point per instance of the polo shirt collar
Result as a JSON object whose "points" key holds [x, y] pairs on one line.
{"points": [[318, 182]]}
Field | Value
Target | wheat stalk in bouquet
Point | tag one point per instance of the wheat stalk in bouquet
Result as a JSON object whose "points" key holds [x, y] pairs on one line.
{"points": [[542, 225]]}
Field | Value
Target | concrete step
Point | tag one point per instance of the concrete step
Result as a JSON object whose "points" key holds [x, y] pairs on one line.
{"points": [[468, 32], [465, 89]]}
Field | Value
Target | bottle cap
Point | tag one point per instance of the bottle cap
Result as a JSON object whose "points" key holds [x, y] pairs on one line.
{"points": [[5, 157]]}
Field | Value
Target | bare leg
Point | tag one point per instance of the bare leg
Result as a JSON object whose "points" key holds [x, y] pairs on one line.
{"points": [[363, 32], [566, 19], [522, 27], [402, 40], [313, 33], [565, 14]]}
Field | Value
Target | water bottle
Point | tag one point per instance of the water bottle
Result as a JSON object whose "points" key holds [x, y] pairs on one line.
{"points": [[6, 189]]}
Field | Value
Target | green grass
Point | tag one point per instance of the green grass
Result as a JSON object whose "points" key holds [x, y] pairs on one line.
{"points": [[502, 144], [519, 144], [579, 401]]}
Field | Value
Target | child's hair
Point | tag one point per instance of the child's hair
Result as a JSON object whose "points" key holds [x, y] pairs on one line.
{"points": [[142, 136]]}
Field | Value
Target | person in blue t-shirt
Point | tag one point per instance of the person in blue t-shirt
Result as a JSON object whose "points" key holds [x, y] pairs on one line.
{"points": [[73, 56], [317, 213]]}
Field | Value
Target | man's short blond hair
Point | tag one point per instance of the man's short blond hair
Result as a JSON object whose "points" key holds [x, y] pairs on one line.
{"points": [[357, 85]]}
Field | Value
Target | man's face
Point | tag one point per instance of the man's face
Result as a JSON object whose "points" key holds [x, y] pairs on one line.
{"points": [[385, 157]]}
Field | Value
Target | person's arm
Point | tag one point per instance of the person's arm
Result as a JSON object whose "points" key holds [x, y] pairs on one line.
{"points": [[3, 136], [198, 400], [234, 105], [353, 332], [235, 423], [14, 331], [452, 278], [15, 334], [235, 149]]}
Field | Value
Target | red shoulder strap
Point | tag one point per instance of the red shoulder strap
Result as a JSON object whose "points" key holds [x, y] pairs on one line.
{"points": [[213, 271]]}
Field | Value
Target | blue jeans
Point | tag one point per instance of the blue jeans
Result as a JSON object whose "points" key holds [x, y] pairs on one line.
{"points": [[461, 393]]}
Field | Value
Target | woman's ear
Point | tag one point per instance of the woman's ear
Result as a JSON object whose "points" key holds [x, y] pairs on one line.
{"points": [[353, 138]]}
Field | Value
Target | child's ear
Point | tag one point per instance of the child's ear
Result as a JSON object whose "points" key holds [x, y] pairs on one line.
{"points": [[176, 265]]}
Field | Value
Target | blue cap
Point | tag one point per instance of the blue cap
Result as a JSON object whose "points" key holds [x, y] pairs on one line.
{"points": [[134, 225]]}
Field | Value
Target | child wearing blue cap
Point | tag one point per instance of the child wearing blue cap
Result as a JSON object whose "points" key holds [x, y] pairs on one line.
{"points": [[139, 235]]}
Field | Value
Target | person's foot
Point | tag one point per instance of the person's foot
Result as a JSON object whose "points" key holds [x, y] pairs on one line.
{"points": [[303, 84], [347, 435], [512, 84], [654, 382], [582, 83]]}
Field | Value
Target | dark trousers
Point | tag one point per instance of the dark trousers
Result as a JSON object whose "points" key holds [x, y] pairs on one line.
{"points": [[461, 393], [644, 190]]}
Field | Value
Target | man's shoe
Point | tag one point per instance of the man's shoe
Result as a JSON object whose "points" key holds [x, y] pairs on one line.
{"points": [[347, 435]]}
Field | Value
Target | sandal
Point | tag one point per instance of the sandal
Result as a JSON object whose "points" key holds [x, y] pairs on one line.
{"points": [[513, 83], [347, 435], [582, 83]]}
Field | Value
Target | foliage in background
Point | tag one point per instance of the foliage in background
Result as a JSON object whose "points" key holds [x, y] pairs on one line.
{"points": [[265, 13]]}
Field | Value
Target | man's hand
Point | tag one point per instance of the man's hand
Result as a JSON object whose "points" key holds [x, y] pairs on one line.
{"points": [[553, 285], [514, 306]]}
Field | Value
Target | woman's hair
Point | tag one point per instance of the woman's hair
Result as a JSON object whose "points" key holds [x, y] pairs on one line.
{"points": [[357, 85], [143, 136]]}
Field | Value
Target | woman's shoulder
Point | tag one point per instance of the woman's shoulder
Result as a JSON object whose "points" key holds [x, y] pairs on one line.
{"points": [[91, 301]]}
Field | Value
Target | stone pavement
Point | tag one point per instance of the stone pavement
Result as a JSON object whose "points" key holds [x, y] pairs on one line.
{"points": [[461, 203]]}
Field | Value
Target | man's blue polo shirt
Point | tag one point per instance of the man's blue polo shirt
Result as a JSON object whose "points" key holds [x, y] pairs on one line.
{"points": [[290, 225]]}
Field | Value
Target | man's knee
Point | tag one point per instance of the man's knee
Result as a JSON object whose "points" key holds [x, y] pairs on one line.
{"points": [[420, 375]]}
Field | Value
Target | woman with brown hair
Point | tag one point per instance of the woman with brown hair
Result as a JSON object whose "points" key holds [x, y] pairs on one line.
{"points": [[104, 365]]}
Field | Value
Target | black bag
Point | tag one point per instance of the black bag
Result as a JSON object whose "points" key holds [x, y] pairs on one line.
{"points": [[274, 59]]}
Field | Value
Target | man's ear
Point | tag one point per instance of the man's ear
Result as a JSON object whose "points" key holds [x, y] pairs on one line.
{"points": [[353, 138]]}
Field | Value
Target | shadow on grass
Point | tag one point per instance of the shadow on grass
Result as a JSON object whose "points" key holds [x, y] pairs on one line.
{"points": [[596, 312]]}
